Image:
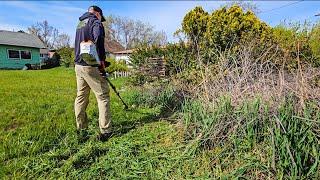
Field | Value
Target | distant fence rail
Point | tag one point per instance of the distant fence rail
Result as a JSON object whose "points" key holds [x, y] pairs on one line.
{"points": [[154, 67], [118, 74]]}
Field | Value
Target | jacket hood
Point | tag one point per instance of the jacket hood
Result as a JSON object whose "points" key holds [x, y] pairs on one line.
{"points": [[87, 15]]}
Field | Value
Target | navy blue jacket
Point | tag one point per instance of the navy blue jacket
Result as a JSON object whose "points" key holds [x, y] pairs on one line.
{"points": [[89, 28]]}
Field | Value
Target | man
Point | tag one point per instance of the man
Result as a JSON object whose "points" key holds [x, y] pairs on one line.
{"points": [[89, 77]]}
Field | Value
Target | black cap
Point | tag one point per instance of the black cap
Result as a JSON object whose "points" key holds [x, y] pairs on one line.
{"points": [[96, 8]]}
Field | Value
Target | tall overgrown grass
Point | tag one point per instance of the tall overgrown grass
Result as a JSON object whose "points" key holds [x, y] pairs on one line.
{"points": [[163, 96], [246, 104], [250, 93], [260, 120], [288, 142]]}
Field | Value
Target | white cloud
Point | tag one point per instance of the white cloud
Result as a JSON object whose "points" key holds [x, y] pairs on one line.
{"points": [[21, 5], [61, 15], [11, 27], [61, 8]]}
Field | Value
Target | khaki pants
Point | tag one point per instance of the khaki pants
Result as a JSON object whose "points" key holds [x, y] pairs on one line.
{"points": [[89, 78]]}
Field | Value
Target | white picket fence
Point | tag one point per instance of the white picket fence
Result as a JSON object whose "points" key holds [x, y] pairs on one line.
{"points": [[117, 74]]}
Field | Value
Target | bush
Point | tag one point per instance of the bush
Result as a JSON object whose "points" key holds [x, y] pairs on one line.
{"points": [[138, 78], [54, 61], [141, 54], [224, 29], [195, 24], [208, 35], [227, 30], [67, 56], [164, 97], [229, 27], [289, 36], [178, 58], [314, 43], [116, 65]]}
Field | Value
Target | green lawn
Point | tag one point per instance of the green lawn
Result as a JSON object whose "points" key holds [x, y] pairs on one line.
{"points": [[38, 139]]}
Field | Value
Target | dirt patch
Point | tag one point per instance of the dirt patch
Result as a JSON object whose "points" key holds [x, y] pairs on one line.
{"points": [[13, 126]]}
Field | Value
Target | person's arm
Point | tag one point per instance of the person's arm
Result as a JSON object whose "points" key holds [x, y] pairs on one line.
{"points": [[98, 37]]}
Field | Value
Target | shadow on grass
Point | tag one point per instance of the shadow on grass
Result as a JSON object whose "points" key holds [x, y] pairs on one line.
{"points": [[121, 128], [126, 126], [85, 160]]}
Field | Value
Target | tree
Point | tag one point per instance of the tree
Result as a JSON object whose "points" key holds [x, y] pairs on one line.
{"points": [[131, 33], [194, 25], [228, 27], [158, 38], [314, 42], [43, 30], [245, 6], [63, 40], [67, 56], [55, 35], [109, 32], [50, 36], [116, 66], [35, 30], [293, 34]]}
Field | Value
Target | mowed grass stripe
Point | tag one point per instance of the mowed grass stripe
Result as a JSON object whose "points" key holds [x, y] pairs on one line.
{"points": [[37, 132]]}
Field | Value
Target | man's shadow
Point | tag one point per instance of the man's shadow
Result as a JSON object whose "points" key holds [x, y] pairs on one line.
{"points": [[124, 127]]}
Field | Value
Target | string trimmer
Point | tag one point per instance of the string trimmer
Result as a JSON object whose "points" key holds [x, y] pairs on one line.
{"points": [[115, 90]]}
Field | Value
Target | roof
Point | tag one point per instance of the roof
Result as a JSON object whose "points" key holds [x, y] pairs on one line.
{"points": [[113, 46], [129, 51], [20, 39], [44, 51]]}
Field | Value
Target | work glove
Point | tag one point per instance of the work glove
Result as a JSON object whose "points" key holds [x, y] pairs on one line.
{"points": [[103, 74], [107, 63], [102, 69]]}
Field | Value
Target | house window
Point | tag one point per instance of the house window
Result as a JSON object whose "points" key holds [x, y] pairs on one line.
{"points": [[25, 54], [13, 54], [19, 54]]}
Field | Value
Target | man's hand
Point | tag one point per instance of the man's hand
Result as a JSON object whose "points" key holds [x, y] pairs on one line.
{"points": [[102, 64], [103, 74], [102, 69], [107, 63]]}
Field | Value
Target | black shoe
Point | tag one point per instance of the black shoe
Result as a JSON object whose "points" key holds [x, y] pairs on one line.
{"points": [[104, 137], [82, 135]]}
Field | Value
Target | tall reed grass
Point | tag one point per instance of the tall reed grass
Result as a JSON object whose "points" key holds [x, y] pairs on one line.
{"points": [[246, 104]]}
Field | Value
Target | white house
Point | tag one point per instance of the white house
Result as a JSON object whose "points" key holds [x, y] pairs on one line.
{"points": [[44, 54], [112, 46], [123, 55]]}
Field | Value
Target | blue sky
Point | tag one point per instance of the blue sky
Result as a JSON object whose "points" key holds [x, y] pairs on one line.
{"points": [[163, 15]]}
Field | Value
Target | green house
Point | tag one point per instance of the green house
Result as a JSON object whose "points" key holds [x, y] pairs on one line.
{"points": [[18, 49]]}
